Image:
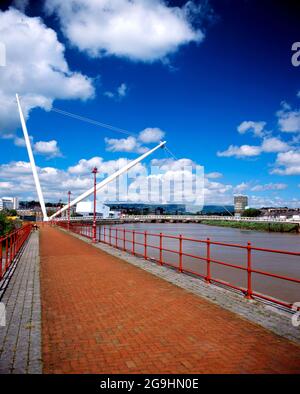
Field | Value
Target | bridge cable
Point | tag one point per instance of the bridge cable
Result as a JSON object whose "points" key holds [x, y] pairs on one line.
{"points": [[92, 121]]}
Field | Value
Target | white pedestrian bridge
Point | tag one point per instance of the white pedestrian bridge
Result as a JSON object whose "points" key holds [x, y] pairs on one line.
{"points": [[182, 218]]}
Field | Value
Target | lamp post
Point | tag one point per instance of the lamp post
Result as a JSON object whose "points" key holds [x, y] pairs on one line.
{"points": [[95, 170], [69, 199]]}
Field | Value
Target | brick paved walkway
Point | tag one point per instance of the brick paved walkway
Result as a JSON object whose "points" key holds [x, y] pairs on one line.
{"points": [[103, 315], [20, 339]]}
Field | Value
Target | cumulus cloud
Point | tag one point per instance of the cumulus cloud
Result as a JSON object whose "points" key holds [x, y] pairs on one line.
{"points": [[274, 144], [287, 163], [129, 144], [268, 145], [241, 151], [140, 185], [255, 127], [288, 119], [135, 144], [35, 68], [137, 29], [47, 148], [151, 134], [241, 187]]}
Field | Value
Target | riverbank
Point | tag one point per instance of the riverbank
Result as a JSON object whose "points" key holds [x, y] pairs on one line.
{"points": [[271, 227]]}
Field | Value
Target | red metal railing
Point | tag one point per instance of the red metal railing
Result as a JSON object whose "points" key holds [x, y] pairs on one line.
{"points": [[10, 244], [131, 240]]}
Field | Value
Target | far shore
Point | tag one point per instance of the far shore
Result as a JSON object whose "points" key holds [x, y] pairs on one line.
{"points": [[271, 227]]}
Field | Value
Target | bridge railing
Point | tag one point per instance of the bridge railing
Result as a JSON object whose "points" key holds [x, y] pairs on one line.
{"points": [[161, 247], [183, 218], [10, 245]]}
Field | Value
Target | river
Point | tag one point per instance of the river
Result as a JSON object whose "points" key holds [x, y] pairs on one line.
{"points": [[274, 263]]}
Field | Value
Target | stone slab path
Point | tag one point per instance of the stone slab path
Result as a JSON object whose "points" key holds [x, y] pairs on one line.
{"points": [[20, 338]]}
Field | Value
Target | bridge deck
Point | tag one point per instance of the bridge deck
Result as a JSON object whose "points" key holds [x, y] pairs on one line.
{"points": [[103, 315]]}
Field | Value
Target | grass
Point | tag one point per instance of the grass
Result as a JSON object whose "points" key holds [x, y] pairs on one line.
{"points": [[272, 227]]}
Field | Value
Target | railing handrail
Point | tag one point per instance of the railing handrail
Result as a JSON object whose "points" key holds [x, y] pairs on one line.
{"points": [[112, 234], [12, 243], [3, 237]]}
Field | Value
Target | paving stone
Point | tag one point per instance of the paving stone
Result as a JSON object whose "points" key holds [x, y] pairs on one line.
{"points": [[20, 341], [101, 314]]}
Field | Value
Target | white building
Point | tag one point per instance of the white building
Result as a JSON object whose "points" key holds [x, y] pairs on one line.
{"points": [[9, 203], [86, 208]]}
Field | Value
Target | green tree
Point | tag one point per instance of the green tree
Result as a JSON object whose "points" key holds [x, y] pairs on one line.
{"points": [[251, 212], [5, 225]]}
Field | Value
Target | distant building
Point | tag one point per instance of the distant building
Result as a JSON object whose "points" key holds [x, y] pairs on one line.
{"points": [[9, 203], [86, 208], [283, 212], [148, 209], [240, 204]]}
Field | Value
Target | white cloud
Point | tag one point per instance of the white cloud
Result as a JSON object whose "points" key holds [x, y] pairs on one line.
{"points": [[269, 186], [35, 68], [19, 141], [241, 187], [122, 90], [129, 144], [17, 176], [48, 148], [135, 144], [137, 29], [241, 151], [262, 201], [274, 144], [255, 127], [214, 175], [120, 93], [287, 163], [288, 119], [151, 134]]}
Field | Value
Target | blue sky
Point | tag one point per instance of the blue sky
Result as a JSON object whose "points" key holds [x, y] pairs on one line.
{"points": [[216, 65]]}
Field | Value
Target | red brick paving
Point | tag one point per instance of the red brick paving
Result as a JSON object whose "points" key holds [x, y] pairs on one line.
{"points": [[103, 315]]}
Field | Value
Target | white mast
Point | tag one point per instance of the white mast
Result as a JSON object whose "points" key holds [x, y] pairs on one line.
{"points": [[108, 179], [32, 162]]}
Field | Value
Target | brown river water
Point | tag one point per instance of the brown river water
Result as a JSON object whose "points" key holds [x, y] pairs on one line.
{"points": [[279, 264]]}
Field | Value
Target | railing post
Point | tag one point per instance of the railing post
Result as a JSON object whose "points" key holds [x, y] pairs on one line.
{"points": [[160, 248], [104, 234], [124, 239], [110, 236], [116, 240], [133, 242], [10, 248], [208, 275], [0, 258], [180, 253], [249, 273], [6, 254], [145, 245]]}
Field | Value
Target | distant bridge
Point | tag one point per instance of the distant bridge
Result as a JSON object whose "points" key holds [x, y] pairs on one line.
{"points": [[182, 219]]}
